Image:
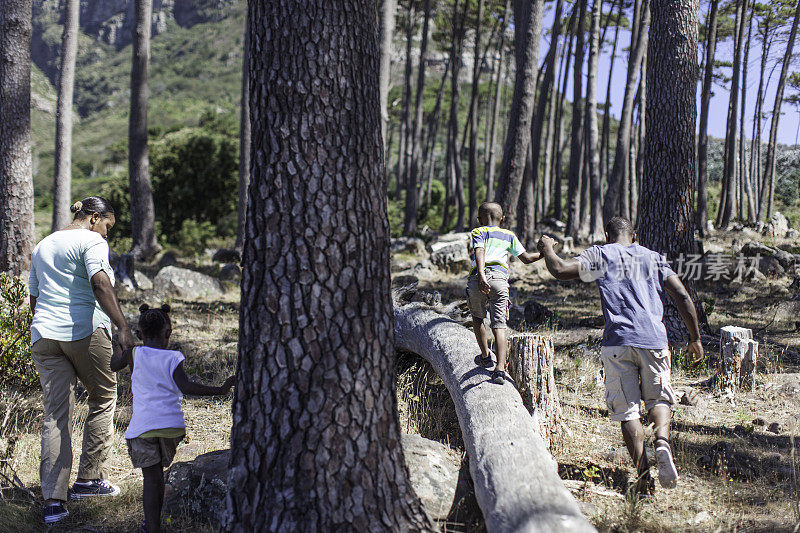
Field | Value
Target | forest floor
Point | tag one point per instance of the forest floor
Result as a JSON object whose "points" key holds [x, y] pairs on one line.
{"points": [[735, 475]]}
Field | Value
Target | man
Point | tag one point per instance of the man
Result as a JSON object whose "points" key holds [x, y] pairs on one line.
{"points": [[635, 353]]}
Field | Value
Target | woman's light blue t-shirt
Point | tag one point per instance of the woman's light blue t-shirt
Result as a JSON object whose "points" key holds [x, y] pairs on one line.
{"points": [[62, 267]]}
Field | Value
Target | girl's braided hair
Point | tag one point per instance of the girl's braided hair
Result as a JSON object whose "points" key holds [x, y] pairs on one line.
{"points": [[153, 321]]}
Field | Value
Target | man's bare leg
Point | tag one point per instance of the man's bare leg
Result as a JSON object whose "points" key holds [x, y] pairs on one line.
{"points": [[633, 434], [661, 416]]}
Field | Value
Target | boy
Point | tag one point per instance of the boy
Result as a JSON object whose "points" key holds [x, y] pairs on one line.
{"points": [[635, 353], [488, 283]]}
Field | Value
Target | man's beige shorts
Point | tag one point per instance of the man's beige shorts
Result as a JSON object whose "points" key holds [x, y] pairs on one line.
{"points": [[147, 452], [497, 299], [633, 375]]}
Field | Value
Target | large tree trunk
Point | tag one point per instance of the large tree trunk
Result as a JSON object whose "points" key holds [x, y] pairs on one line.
{"points": [[618, 179], [727, 208], [527, 31], [62, 181], [472, 176], [410, 220], [596, 185], [665, 222], [143, 221], [315, 444], [516, 480], [768, 183], [576, 132], [16, 183], [705, 101], [492, 164], [245, 135], [387, 16]]}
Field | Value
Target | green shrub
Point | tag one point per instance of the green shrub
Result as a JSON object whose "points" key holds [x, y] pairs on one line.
{"points": [[194, 236], [786, 188], [16, 367]]}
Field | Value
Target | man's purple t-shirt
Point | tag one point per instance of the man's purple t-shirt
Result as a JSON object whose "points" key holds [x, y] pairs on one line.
{"points": [[631, 282]]}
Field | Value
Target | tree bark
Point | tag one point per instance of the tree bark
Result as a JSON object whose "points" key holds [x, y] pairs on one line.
{"points": [[576, 145], [143, 227], [517, 486], [518, 136], [62, 181], [739, 354], [497, 92], [596, 185], [472, 172], [705, 101], [387, 21], [768, 183], [728, 206], [245, 136], [410, 221], [618, 179], [315, 444], [16, 182], [665, 210]]}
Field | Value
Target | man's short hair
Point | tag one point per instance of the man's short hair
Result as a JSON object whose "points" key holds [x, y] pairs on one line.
{"points": [[491, 209], [619, 226]]}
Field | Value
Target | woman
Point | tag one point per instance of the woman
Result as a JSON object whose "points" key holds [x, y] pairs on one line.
{"points": [[74, 305]]}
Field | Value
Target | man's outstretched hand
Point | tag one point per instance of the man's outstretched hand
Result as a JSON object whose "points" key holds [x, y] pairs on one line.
{"points": [[695, 348]]}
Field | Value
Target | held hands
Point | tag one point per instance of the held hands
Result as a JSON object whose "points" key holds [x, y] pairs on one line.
{"points": [[546, 243], [125, 339]]}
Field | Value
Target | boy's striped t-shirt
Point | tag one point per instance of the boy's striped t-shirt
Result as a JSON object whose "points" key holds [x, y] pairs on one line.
{"points": [[497, 244]]}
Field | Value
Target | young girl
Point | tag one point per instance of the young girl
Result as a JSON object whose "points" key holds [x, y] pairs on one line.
{"points": [[158, 382]]}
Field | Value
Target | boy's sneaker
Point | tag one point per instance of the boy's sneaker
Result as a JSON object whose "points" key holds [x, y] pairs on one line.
{"points": [[485, 362], [498, 377], [93, 488], [667, 473], [54, 513]]}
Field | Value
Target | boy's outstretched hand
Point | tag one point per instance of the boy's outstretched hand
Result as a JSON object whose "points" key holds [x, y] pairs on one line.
{"points": [[546, 242]]}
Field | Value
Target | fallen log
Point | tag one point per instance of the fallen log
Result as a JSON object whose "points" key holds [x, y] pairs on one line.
{"points": [[515, 477]]}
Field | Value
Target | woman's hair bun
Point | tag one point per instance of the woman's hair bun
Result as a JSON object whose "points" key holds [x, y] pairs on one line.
{"points": [[77, 206], [143, 308], [166, 308]]}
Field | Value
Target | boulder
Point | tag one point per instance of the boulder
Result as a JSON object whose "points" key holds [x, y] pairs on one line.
{"points": [[452, 254], [777, 226], [433, 468], [188, 284], [413, 245], [200, 486], [226, 256], [141, 281], [793, 234], [770, 266], [230, 272]]}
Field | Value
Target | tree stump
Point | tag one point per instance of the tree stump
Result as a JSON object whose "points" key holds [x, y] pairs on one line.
{"points": [[739, 353], [530, 364]]}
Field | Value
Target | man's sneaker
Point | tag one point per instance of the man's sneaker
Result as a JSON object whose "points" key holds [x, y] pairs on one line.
{"points": [[667, 473], [93, 488], [54, 513]]}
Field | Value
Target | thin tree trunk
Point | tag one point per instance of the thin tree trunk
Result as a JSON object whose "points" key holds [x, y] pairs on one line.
{"points": [[575, 154], [559, 135], [62, 182], [596, 185], [665, 209], [768, 183], [636, 177], [16, 182], [605, 155], [433, 129], [245, 137], [728, 199], [705, 100], [498, 91], [473, 105], [410, 222], [755, 145], [387, 21], [403, 155], [527, 31], [315, 443], [458, 177], [618, 179], [143, 228], [744, 178], [453, 157]]}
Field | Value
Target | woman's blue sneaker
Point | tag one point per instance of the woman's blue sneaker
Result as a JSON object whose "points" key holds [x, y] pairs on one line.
{"points": [[95, 487], [54, 513]]}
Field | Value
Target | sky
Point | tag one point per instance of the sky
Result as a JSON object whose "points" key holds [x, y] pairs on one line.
{"points": [[789, 121]]}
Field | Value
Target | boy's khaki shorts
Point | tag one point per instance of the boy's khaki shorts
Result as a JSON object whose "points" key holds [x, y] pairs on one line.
{"points": [[497, 299], [147, 452], [635, 374]]}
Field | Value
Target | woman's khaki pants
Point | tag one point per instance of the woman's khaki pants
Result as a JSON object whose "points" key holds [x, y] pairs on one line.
{"points": [[59, 363]]}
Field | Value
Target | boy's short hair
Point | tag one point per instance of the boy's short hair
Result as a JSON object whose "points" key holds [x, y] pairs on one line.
{"points": [[490, 209], [619, 226]]}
